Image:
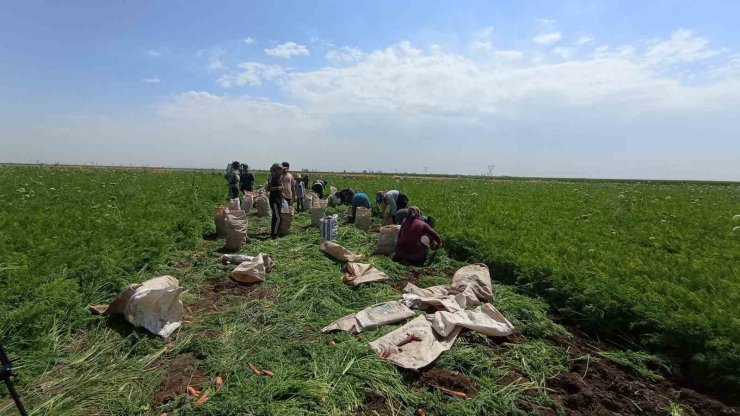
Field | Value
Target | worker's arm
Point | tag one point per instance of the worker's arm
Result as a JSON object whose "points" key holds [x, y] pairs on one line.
{"points": [[434, 238]]}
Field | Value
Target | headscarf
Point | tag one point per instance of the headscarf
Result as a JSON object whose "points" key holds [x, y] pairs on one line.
{"points": [[414, 213]]}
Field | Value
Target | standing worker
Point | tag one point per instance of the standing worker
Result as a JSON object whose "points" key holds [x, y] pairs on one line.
{"points": [[246, 179], [300, 193], [359, 200], [391, 201], [288, 183], [275, 187], [232, 177], [410, 248]]}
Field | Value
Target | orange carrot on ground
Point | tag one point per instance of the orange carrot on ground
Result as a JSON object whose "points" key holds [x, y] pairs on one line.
{"points": [[268, 373], [192, 391], [219, 383], [255, 370], [420, 412], [333, 343], [202, 399], [453, 392]]}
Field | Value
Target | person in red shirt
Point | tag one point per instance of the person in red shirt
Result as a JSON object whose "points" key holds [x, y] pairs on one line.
{"points": [[410, 248]]}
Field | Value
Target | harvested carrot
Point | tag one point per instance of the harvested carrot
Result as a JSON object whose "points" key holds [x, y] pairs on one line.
{"points": [[268, 373], [453, 392], [215, 308], [409, 338], [255, 370], [189, 310], [420, 412], [192, 391], [203, 399], [219, 383], [333, 343], [163, 414]]}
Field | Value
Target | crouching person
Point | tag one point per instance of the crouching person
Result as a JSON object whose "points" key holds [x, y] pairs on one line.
{"points": [[410, 247], [359, 200]]}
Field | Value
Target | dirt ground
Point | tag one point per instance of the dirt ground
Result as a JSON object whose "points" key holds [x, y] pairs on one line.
{"points": [[182, 371], [218, 289], [434, 378], [598, 386]]}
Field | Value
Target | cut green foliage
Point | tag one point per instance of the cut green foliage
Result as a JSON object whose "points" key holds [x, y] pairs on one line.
{"points": [[637, 361]]}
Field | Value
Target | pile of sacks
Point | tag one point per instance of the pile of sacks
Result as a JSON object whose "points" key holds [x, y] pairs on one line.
{"points": [[250, 269], [420, 341]]}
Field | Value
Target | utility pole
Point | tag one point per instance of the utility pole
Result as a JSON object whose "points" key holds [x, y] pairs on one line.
{"points": [[490, 170], [425, 169]]}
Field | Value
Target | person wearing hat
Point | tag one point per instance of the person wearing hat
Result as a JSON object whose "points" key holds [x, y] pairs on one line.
{"points": [[300, 192], [410, 247]]}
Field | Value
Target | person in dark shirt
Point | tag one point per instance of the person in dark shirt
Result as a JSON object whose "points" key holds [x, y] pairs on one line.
{"points": [[246, 179], [318, 188], [232, 177], [359, 200], [275, 187], [410, 248], [305, 181], [345, 196]]}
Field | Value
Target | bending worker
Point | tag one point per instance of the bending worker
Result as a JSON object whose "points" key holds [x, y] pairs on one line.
{"points": [[318, 188], [410, 247], [391, 201], [345, 196], [359, 200]]}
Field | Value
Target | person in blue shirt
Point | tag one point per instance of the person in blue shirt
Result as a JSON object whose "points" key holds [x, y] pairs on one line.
{"points": [[359, 200]]}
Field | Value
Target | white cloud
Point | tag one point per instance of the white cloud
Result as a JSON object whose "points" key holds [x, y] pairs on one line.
{"points": [[584, 40], [682, 46], [482, 39], [248, 40], [252, 74], [216, 65], [288, 49], [154, 54], [547, 38], [563, 53], [344, 55], [152, 80], [510, 55], [545, 22], [482, 45]]}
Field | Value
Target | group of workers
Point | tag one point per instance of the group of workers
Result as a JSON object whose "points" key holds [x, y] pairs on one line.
{"points": [[393, 205]]}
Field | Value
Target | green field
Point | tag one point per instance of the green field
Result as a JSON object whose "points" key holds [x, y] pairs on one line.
{"points": [[653, 266]]}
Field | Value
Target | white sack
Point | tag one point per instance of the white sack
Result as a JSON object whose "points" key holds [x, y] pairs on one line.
{"points": [[317, 213], [248, 201], [154, 305], [254, 269], [477, 278], [262, 204], [370, 318], [361, 273], [387, 240], [219, 217], [286, 220], [234, 258], [416, 354], [234, 204], [338, 252], [485, 319], [362, 218], [236, 229], [439, 297]]}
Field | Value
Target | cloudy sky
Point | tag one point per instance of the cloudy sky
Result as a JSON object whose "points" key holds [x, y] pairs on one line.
{"points": [[621, 89]]}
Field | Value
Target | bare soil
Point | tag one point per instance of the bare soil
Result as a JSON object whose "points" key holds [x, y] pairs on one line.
{"points": [[598, 386], [215, 290], [182, 371], [452, 380]]}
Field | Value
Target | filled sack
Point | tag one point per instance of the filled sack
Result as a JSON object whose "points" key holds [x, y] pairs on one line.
{"points": [[338, 252], [219, 217], [329, 227], [253, 269], [316, 215], [286, 220], [388, 239], [154, 305], [234, 204], [262, 204], [247, 202], [362, 218], [236, 229]]}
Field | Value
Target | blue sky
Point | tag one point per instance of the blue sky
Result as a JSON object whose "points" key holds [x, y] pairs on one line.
{"points": [[594, 89]]}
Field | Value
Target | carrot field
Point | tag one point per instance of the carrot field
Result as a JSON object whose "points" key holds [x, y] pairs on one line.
{"points": [[650, 269]]}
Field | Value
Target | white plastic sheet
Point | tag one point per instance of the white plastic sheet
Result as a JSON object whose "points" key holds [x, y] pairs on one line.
{"points": [[154, 305], [338, 252], [370, 318], [485, 319], [361, 273]]}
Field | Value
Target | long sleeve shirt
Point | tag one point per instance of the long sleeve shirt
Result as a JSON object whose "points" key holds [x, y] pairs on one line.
{"points": [[409, 246]]}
